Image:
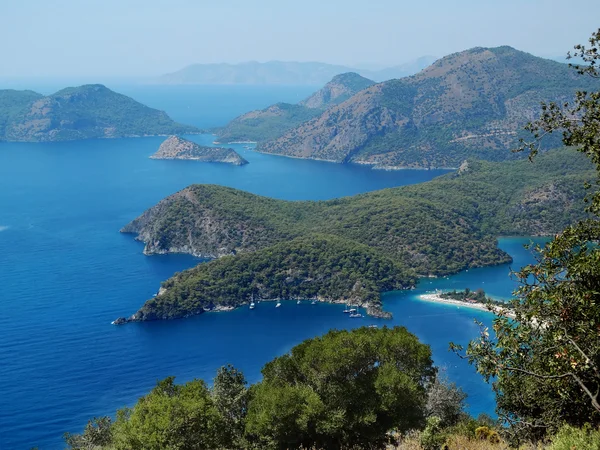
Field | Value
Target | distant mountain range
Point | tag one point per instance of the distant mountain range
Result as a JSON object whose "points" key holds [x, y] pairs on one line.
{"points": [[280, 72], [275, 120], [471, 104], [84, 112]]}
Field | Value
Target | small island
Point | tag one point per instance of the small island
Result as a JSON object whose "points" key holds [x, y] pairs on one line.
{"points": [[178, 148]]}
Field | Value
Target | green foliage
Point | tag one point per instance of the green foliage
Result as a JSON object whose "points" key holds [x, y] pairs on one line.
{"points": [[546, 360], [83, 112], [97, 433], [446, 401], [230, 395], [433, 436], [316, 266], [342, 390], [170, 417], [570, 438]]}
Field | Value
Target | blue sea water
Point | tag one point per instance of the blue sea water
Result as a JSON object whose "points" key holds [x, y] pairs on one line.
{"points": [[66, 272]]}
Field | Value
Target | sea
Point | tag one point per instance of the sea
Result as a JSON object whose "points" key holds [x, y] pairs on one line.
{"points": [[66, 272]]}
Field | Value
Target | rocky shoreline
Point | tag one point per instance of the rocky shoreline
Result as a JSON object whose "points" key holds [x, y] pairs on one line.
{"points": [[371, 310]]}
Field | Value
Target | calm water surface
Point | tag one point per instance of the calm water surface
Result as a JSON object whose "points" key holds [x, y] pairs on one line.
{"points": [[66, 272]]}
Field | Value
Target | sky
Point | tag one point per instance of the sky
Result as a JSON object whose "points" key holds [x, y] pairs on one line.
{"points": [[146, 38]]}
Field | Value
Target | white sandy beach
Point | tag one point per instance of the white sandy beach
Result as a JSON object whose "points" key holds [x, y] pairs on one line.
{"points": [[436, 298]]}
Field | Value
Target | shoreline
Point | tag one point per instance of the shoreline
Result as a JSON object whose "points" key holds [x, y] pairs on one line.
{"points": [[436, 298]]}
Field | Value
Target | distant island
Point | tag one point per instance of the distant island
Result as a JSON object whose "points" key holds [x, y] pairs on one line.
{"points": [[273, 121], [351, 249], [176, 147], [85, 112], [283, 73], [472, 104]]}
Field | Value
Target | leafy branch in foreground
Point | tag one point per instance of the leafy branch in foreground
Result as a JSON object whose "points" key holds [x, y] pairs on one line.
{"points": [[545, 361]]}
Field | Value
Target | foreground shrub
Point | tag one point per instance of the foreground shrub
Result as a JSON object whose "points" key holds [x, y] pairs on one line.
{"points": [[571, 438]]}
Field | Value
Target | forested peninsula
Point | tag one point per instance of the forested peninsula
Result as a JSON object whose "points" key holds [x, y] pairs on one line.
{"points": [[435, 228], [85, 112]]}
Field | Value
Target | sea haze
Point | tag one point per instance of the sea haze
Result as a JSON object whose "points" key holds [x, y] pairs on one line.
{"points": [[66, 273]]}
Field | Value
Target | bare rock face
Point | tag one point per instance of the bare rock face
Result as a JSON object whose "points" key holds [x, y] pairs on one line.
{"points": [[178, 148]]}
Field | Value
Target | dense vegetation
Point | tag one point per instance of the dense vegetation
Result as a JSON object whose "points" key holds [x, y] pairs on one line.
{"points": [[85, 112], [319, 267], [471, 104], [334, 391], [440, 227], [274, 121], [361, 389]]}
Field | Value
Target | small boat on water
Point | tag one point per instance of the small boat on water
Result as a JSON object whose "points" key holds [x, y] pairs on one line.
{"points": [[278, 304], [298, 302], [355, 313], [314, 302], [372, 326], [252, 305]]}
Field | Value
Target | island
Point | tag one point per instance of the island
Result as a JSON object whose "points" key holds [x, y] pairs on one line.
{"points": [[85, 112], [351, 249], [175, 147]]}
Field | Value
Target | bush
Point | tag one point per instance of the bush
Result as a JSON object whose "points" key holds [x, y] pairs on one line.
{"points": [[571, 438]]}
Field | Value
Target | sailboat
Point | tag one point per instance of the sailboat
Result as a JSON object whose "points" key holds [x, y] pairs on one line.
{"points": [[278, 304], [298, 302], [252, 305], [355, 314]]}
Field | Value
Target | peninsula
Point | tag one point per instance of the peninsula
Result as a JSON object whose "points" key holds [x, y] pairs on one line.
{"points": [[86, 112], [351, 249], [175, 147]]}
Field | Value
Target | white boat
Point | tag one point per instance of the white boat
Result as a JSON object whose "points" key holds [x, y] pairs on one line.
{"points": [[252, 305], [355, 314], [314, 302], [372, 326], [278, 304], [298, 302]]}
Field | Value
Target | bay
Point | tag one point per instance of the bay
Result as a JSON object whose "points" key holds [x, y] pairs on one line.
{"points": [[66, 272]]}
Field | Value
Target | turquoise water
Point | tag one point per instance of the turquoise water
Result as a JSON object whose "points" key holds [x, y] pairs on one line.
{"points": [[66, 272]]}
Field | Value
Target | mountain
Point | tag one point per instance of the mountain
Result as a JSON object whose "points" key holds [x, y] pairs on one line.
{"points": [[84, 112], [272, 122], [338, 90], [436, 228], [472, 104], [280, 72], [175, 147], [273, 72]]}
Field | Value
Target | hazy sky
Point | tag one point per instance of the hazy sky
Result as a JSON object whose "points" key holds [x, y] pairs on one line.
{"points": [[151, 37]]}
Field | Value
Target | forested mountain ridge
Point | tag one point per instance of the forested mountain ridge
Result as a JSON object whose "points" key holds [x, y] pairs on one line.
{"points": [[434, 228], [84, 112], [471, 104], [275, 120]]}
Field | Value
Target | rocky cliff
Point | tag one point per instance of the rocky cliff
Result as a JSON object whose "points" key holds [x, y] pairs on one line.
{"points": [[175, 147]]}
